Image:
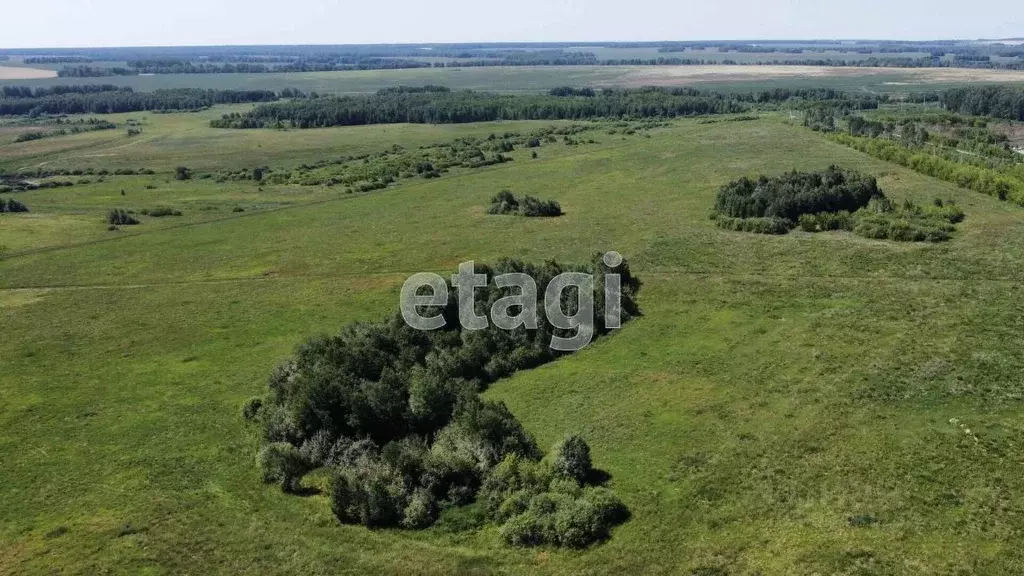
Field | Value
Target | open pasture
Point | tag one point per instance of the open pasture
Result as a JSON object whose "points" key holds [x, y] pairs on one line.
{"points": [[804, 404], [521, 79]]}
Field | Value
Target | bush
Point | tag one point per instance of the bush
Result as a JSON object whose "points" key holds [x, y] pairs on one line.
{"points": [[12, 206], [281, 462], [251, 408], [755, 225], [119, 217], [421, 510], [506, 203], [162, 211], [826, 221], [571, 458], [369, 493]]}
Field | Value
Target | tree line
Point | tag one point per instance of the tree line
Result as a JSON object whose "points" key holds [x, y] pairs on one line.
{"points": [[116, 101], [444, 107], [998, 101], [29, 92]]}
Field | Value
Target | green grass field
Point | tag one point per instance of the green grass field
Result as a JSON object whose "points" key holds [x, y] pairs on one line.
{"points": [[517, 79], [785, 406]]}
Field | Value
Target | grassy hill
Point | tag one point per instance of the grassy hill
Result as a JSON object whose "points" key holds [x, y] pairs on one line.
{"points": [[804, 404]]}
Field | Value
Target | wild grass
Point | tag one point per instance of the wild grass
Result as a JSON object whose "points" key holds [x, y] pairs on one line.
{"points": [[787, 405]]}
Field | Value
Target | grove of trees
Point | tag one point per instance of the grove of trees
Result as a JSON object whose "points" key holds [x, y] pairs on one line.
{"points": [[394, 414], [107, 99], [436, 106]]}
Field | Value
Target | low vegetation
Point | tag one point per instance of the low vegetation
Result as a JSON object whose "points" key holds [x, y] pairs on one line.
{"points": [[120, 217], [505, 202], [12, 206]]}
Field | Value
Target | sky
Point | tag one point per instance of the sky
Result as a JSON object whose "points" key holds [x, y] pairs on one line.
{"points": [[103, 23]]}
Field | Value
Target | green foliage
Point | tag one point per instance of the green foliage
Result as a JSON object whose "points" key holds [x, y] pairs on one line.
{"points": [[505, 202], [790, 195], [161, 212], [119, 217], [251, 408], [999, 101], [281, 462], [441, 107], [755, 225], [12, 206], [426, 440], [1006, 184], [571, 458], [825, 221], [909, 222]]}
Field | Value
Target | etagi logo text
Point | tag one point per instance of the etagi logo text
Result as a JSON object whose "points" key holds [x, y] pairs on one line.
{"points": [[517, 310]]}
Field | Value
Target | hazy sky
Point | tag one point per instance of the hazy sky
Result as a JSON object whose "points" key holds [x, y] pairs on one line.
{"points": [[72, 23]]}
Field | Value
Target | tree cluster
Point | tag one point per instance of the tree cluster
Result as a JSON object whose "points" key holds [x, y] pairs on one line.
{"points": [[396, 417], [505, 202], [998, 101], [12, 206], [119, 217], [118, 100], [790, 195], [444, 107]]}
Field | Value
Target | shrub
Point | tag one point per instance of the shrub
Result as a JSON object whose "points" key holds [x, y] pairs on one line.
{"points": [[162, 211], [826, 221], [369, 493], [12, 206], [283, 463], [571, 458], [755, 225], [251, 408], [506, 203], [421, 510], [119, 217]]}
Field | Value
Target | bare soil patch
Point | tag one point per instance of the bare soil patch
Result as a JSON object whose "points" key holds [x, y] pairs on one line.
{"points": [[669, 75], [19, 73]]}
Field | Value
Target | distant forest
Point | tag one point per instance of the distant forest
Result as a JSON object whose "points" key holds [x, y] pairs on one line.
{"points": [[109, 99], [438, 105], [270, 59]]}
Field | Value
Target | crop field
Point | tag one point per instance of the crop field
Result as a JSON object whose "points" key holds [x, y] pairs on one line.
{"points": [[525, 79], [798, 404]]}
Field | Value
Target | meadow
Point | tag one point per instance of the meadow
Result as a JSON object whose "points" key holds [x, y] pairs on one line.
{"points": [[527, 79], [803, 404]]}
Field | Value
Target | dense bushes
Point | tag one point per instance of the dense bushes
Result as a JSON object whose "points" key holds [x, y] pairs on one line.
{"points": [[160, 212], [755, 225], [790, 195], [12, 206], [830, 200], [538, 503], [1002, 184], [119, 217], [109, 101], [909, 222], [395, 415], [505, 202]]}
